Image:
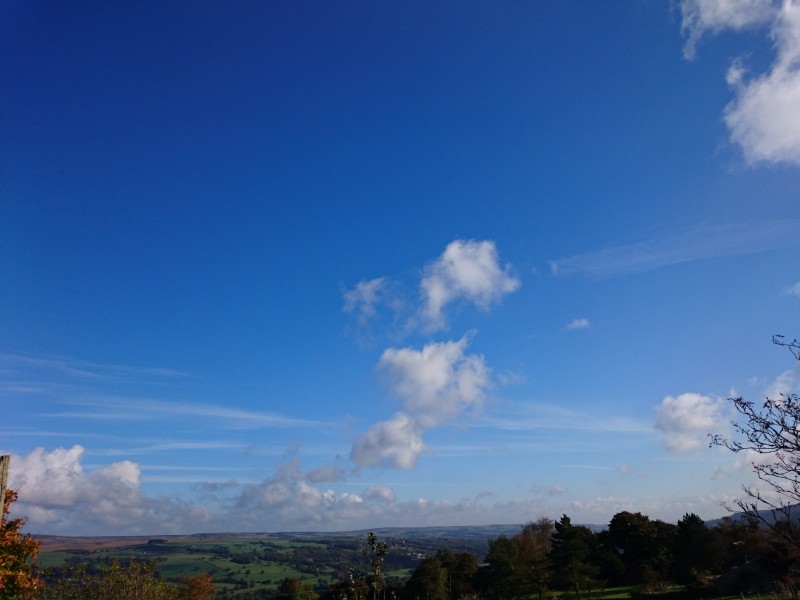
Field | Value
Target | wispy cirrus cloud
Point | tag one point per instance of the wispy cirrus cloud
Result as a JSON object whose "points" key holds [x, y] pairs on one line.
{"points": [[86, 390], [74, 369], [699, 243], [538, 416], [117, 407]]}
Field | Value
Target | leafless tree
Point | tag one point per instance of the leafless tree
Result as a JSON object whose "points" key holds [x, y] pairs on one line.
{"points": [[772, 430]]}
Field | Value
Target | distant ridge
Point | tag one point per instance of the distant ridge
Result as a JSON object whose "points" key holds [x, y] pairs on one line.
{"points": [[433, 531], [767, 515], [473, 532]]}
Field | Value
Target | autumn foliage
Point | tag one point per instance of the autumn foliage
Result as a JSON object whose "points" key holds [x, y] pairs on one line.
{"points": [[17, 574]]}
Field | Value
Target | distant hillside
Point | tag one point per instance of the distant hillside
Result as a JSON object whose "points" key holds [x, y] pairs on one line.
{"points": [[767, 515], [477, 532]]}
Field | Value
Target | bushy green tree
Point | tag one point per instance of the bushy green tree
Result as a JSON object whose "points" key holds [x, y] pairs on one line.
{"points": [[641, 545]]}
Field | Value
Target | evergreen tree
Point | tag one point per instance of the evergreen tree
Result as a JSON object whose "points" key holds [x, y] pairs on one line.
{"points": [[696, 551], [498, 578], [428, 581], [572, 548]]}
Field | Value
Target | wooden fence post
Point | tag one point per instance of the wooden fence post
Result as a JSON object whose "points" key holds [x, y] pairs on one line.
{"points": [[4, 461]]}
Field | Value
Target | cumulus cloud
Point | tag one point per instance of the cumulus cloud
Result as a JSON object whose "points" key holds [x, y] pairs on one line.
{"points": [[764, 117], [395, 443], [379, 493], [687, 419], [439, 382], [58, 496], [578, 324], [436, 385], [289, 500], [326, 473], [467, 269]]}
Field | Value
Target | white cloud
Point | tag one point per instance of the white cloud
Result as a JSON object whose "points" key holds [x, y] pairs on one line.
{"points": [[395, 443], [58, 496], [714, 16], [468, 270], [436, 385], [764, 117], [379, 493], [687, 419], [699, 243], [578, 324], [784, 384], [439, 382], [794, 290], [288, 501]]}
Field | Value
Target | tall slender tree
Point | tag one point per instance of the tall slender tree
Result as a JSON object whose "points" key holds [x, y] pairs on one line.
{"points": [[376, 552]]}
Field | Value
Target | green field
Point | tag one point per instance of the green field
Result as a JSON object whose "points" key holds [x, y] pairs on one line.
{"points": [[239, 563]]}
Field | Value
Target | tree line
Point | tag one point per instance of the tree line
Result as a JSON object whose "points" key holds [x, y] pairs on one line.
{"points": [[548, 559]]}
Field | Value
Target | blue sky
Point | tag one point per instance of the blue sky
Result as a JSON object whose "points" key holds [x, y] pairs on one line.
{"points": [[280, 266]]}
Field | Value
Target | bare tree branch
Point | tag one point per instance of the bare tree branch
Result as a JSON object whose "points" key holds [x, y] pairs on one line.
{"points": [[772, 431]]}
